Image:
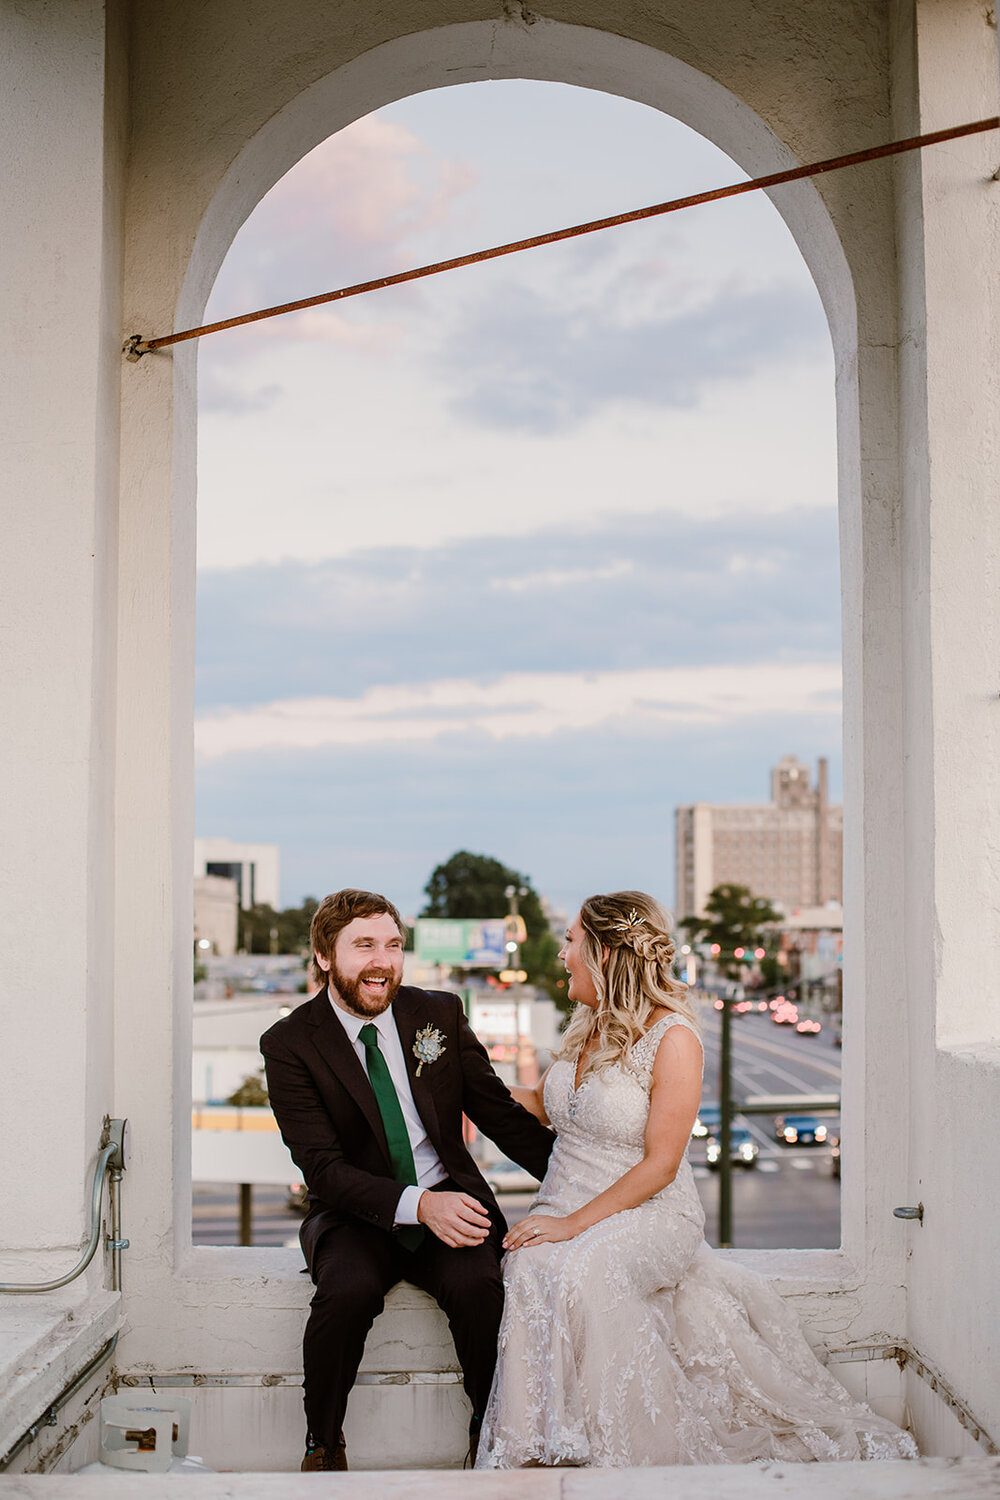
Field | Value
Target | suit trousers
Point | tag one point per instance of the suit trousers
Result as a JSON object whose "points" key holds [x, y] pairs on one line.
{"points": [[354, 1266]]}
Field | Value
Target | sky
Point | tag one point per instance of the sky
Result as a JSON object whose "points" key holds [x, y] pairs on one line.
{"points": [[518, 558]]}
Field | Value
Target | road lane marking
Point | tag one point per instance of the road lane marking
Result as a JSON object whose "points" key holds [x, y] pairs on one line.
{"points": [[776, 1049], [752, 1086]]}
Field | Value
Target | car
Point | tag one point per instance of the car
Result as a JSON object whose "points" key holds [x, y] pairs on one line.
{"points": [[808, 1028], [505, 1176], [743, 1149], [706, 1121], [800, 1130]]}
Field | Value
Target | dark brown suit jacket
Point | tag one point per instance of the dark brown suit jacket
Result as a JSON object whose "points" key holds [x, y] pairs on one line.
{"points": [[329, 1119]]}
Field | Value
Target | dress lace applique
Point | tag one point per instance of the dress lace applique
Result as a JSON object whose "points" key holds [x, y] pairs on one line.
{"points": [[634, 1343]]}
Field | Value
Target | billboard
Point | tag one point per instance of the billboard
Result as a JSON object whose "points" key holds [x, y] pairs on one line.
{"points": [[462, 942]]}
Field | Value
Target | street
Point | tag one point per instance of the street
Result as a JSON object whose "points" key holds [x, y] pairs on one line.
{"points": [[788, 1200]]}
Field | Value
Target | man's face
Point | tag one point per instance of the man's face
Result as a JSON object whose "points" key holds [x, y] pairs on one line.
{"points": [[367, 967]]}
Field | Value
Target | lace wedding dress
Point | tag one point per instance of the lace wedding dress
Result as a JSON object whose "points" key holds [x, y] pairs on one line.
{"points": [[636, 1344]]}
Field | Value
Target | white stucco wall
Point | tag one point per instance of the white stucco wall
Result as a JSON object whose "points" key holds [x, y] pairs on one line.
{"points": [[99, 583], [62, 121]]}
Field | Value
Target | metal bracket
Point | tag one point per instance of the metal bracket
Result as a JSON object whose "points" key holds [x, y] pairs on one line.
{"points": [[115, 1133], [132, 349]]}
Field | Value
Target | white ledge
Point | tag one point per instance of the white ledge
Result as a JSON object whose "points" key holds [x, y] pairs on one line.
{"points": [[921, 1479], [795, 1272], [46, 1339]]}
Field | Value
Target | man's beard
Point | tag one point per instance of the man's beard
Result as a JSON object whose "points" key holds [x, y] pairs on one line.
{"points": [[350, 994]]}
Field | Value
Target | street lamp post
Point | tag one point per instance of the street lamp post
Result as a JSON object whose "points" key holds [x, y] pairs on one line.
{"points": [[725, 1126]]}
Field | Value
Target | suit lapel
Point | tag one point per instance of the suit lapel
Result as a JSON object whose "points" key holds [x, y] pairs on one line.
{"points": [[409, 1015], [334, 1046]]}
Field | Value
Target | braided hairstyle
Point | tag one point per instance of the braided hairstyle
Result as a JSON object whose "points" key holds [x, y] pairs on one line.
{"points": [[633, 981]]}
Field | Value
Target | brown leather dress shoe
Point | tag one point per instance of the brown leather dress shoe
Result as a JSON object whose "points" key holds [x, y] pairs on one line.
{"points": [[325, 1458]]}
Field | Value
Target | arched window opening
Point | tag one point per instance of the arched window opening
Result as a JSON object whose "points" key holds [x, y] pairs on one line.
{"points": [[517, 561]]}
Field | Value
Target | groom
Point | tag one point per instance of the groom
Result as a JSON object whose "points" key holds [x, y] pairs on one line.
{"points": [[369, 1081]]}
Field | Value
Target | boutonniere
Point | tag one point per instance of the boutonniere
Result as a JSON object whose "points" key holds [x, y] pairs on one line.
{"points": [[428, 1047]]}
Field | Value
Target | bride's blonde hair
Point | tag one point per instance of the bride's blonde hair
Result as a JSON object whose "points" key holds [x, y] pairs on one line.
{"points": [[633, 983]]}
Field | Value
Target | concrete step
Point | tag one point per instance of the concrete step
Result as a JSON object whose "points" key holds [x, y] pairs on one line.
{"points": [[923, 1479]]}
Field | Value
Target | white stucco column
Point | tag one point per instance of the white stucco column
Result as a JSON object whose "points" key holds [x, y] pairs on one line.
{"points": [[950, 437], [59, 323]]}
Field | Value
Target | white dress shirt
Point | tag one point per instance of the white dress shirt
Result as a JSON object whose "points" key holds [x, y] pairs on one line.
{"points": [[425, 1158]]}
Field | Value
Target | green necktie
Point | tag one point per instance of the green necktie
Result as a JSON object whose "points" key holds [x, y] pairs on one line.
{"points": [[396, 1133]]}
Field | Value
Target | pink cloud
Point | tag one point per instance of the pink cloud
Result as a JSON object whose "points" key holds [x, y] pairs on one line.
{"points": [[347, 212]]}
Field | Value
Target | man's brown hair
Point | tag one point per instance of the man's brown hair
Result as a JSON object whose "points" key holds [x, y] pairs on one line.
{"points": [[334, 913]]}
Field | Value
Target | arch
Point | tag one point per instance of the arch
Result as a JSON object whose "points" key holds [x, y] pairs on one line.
{"points": [[545, 51], [180, 225]]}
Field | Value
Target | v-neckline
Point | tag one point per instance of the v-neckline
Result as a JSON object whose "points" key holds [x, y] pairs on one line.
{"points": [[578, 1082]]}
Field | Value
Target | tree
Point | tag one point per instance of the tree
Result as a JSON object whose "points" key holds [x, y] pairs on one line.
{"points": [[475, 885], [734, 918], [252, 1092], [291, 927]]}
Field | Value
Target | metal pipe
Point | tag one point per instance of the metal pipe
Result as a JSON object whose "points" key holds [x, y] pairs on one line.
{"points": [[136, 346], [115, 1242], [105, 1156]]}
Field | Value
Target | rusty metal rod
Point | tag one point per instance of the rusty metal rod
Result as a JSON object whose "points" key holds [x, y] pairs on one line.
{"points": [[136, 346]]}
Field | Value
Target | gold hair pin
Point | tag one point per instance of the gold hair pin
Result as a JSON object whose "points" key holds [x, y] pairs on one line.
{"points": [[632, 920]]}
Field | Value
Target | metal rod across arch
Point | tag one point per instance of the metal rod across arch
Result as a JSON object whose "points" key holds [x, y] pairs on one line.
{"points": [[136, 346]]}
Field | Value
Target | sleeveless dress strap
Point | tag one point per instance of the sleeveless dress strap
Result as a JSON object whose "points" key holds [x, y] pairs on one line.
{"points": [[644, 1052]]}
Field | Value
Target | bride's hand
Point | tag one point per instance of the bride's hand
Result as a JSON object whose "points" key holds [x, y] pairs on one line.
{"points": [[538, 1229]]}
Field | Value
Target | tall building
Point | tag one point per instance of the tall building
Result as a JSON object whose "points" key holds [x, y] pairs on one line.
{"points": [[254, 867], [788, 850]]}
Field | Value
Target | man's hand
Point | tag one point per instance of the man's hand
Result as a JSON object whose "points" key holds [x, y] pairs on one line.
{"points": [[455, 1218]]}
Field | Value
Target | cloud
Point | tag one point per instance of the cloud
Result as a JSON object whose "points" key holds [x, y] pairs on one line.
{"points": [[526, 361], [226, 394], [348, 211], [631, 592], [519, 704]]}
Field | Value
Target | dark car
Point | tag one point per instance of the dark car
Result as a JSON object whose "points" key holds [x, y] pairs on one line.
{"points": [[800, 1130], [706, 1121], [743, 1149]]}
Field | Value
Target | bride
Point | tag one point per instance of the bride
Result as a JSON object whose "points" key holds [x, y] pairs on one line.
{"points": [[625, 1340]]}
